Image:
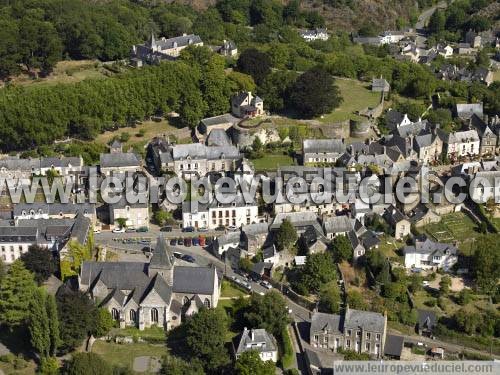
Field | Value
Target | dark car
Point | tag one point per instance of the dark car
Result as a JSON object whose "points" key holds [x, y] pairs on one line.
{"points": [[187, 242], [142, 229], [188, 229], [221, 228], [195, 241], [173, 242], [166, 229], [188, 258], [180, 241], [254, 277], [130, 230], [177, 254]]}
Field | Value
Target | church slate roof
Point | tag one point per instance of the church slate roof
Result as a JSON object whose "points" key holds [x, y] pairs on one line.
{"points": [[195, 280]]}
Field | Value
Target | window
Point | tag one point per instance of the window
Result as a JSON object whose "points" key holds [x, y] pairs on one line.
{"points": [[132, 315], [114, 313], [349, 332], [368, 335], [367, 346], [154, 315], [358, 333], [186, 300], [348, 344], [206, 303], [378, 336], [316, 338]]}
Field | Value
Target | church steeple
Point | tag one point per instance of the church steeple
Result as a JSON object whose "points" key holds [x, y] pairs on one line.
{"points": [[152, 41], [162, 261]]}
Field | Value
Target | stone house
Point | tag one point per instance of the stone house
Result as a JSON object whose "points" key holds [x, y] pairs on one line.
{"points": [[322, 150], [259, 340], [462, 143], [429, 147], [356, 330], [427, 254], [136, 214], [400, 225], [245, 105]]}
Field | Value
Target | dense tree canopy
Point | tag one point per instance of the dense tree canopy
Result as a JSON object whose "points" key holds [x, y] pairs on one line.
{"points": [[268, 312], [249, 363], [287, 235], [87, 363], [16, 293], [255, 63], [318, 270], [314, 93], [486, 263], [40, 261]]}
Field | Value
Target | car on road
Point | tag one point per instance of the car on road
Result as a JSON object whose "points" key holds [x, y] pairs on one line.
{"points": [[187, 242], [266, 284], [130, 230], [188, 229], [188, 258], [166, 229], [232, 228], [220, 228], [173, 242], [195, 241], [119, 230], [142, 229], [147, 249], [201, 240], [180, 241], [254, 277], [241, 273], [177, 254], [203, 229]]}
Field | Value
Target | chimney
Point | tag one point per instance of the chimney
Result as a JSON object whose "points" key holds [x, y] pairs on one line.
{"points": [[252, 335]]}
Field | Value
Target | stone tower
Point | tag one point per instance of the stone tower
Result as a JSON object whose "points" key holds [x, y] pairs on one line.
{"points": [[162, 262]]}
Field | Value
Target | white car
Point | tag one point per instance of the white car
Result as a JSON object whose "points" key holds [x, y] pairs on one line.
{"points": [[97, 230], [119, 230], [266, 284], [232, 228]]}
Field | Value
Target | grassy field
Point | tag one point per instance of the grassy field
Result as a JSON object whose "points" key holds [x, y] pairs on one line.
{"points": [[357, 96], [123, 355], [271, 162], [66, 72], [231, 291], [388, 246], [456, 226], [153, 332]]}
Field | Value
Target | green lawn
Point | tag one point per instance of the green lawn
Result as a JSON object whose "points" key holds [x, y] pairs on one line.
{"points": [[357, 96], [231, 291], [271, 162], [123, 355], [156, 333], [388, 247], [456, 226]]}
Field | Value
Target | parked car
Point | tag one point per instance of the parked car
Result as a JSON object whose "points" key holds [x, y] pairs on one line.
{"points": [[130, 230], [97, 230], [232, 228], [142, 229], [173, 242], [177, 254], [254, 277], [147, 249], [119, 230], [195, 241], [204, 229], [221, 228], [187, 242], [180, 241], [188, 229], [166, 229], [201, 240], [266, 284], [188, 258]]}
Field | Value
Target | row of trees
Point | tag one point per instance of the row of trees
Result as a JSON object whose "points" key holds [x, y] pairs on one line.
{"points": [[56, 324], [37, 116]]}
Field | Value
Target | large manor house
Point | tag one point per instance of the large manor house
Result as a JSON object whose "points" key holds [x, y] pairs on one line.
{"points": [[158, 293]]}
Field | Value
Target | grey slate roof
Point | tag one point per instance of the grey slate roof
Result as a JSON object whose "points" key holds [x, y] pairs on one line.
{"points": [[393, 345], [393, 216], [17, 164], [256, 339], [426, 318], [430, 247], [218, 137], [18, 234], [323, 146], [200, 151], [330, 322], [217, 120], [121, 275], [54, 208], [370, 321], [162, 256], [60, 162], [255, 229], [195, 280], [337, 224], [465, 111], [119, 159]]}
